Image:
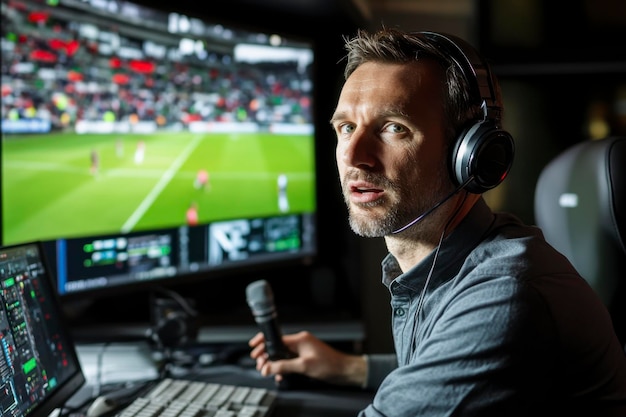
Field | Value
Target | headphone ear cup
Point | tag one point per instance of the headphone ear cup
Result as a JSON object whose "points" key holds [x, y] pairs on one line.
{"points": [[482, 155]]}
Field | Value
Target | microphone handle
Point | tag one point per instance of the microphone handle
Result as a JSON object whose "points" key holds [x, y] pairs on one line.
{"points": [[276, 350], [261, 303], [274, 345]]}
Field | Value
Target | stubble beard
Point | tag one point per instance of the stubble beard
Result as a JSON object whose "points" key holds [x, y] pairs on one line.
{"points": [[369, 225], [402, 206]]}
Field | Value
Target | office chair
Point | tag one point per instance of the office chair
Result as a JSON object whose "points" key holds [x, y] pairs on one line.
{"points": [[580, 204]]}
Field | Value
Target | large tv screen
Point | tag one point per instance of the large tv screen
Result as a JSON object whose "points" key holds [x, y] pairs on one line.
{"points": [[142, 145]]}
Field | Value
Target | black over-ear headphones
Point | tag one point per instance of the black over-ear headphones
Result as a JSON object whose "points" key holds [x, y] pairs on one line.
{"points": [[483, 153]]}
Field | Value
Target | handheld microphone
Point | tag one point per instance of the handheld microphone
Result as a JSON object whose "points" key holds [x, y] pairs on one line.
{"points": [[433, 208], [261, 301], [260, 298]]}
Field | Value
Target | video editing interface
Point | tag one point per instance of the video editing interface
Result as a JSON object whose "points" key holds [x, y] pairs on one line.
{"points": [[36, 359], [126, 259]]}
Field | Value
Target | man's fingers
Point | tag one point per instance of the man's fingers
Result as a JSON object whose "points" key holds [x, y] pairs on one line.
{"points": [[257, 351]]}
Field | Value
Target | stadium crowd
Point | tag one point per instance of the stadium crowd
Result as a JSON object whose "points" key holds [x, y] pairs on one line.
{"points": [[65, 70]]}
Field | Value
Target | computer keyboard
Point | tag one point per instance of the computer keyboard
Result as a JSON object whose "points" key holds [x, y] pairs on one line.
{"points": [[183, 398]]}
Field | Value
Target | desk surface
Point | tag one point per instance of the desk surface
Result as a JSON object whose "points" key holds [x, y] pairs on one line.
{"points": [[129, 362]]}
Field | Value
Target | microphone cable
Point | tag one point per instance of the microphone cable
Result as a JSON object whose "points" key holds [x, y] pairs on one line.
{"points": [[422, 297], [433, 208]]}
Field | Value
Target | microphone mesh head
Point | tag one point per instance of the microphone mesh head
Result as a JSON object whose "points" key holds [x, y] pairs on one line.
{"points": [[260, 298]]}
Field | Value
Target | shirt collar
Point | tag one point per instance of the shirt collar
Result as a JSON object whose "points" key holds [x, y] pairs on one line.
{"points": [[454, 249]]}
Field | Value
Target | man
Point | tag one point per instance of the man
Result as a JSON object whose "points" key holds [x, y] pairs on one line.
{"points": [[488, 319], [283, 200], [94, 158], [202, 180], [191, 214]]}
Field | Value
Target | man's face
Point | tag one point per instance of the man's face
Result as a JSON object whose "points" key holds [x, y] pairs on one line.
{"points": [[391, 151]]}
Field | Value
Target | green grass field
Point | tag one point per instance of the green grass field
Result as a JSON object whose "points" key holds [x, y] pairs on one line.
{"points": [[49, 191]]}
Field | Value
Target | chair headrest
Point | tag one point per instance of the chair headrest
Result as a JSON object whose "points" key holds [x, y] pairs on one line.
{"points": [[580, 204]]}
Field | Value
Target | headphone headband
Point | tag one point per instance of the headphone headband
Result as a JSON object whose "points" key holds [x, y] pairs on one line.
{"points": [[475, 69]]}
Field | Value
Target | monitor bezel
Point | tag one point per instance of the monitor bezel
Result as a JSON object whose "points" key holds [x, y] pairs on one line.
{"points": [[304, 258]]}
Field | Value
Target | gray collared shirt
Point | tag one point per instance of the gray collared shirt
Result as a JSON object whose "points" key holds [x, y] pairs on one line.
{"points": [[506, 327]]}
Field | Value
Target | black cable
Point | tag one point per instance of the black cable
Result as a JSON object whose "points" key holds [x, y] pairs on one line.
{"points": [[421, 299], [179, 299], [99, 366]]}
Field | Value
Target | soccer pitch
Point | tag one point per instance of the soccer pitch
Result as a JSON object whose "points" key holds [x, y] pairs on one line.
{"points": [[50, 189]]}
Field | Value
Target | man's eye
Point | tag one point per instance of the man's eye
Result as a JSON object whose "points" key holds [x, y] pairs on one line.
{"points": [[346, 129], [395, 128]]}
